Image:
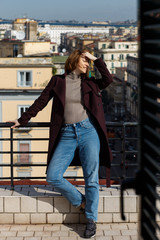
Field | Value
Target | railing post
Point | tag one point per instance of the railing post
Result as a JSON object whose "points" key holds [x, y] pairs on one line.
{"points": [[11, 157], [123, 150]]}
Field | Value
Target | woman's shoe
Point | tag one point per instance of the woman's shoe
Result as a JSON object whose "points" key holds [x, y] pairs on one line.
{"points": [[90, 230]]}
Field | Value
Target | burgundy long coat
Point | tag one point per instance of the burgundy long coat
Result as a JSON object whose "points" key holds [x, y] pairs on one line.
{"points": [[92, 100]]}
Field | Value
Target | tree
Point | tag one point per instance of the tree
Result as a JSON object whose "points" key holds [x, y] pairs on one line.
{"points": [[54, 70]]}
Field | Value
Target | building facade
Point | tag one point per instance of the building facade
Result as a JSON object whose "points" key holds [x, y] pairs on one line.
{"points": [[115, 53], [117, 94], [26, 26], [54, 32], [132, 86], [24, 48], [21, 82]]}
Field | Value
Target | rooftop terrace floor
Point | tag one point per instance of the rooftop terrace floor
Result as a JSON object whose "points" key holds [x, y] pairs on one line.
{"points": [[121, 231]]}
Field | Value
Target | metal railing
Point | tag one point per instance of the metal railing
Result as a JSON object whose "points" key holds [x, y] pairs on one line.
{"points": [[122, 140]]}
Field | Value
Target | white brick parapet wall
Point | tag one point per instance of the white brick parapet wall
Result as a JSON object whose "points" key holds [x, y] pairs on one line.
{"points": [[40, 204]]}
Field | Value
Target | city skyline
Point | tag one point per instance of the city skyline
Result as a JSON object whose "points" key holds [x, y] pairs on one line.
{"points": [[90, 10]]}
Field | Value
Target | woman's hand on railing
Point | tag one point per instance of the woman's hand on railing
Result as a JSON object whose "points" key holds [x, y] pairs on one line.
{"points": [[16, 123]]}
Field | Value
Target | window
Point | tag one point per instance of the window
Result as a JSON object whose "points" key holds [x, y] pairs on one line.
{"points": [[24, 78], [15, 50], [102, 56], [22, 109], [121, 64], [112, 57], [121, 57], [119, 46], [112, 65], [62, 71], [24, 157], [103, 46]]}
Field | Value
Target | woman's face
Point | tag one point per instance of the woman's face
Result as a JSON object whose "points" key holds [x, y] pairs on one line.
{"points": [[82, 65]]}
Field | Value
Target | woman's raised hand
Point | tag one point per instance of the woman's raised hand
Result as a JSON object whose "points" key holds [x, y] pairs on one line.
{"points": [[16, 123], [89, 56]]}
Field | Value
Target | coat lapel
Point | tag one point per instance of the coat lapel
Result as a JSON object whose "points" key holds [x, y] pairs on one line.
{"points": [[60, 89], [85, 87]]}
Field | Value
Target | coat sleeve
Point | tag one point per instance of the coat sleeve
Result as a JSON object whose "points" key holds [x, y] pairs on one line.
{"points": [[106, 76], [39, 103]]}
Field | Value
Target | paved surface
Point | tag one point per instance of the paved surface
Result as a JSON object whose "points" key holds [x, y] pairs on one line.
{"points": [[122, 231]]}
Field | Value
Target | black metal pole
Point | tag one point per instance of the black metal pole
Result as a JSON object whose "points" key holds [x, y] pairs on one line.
{"points": [[11, 157]]}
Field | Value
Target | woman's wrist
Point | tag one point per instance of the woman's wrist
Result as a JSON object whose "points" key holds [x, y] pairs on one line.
{"points": [[89, 56]]}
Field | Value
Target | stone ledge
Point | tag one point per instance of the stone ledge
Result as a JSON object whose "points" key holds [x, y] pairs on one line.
{"points": [[40, 204]]}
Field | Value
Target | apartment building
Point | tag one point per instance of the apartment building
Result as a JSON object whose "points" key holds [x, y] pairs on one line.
{"points": [[116, 93], [21, 82], [28, 26], [132, 86], [14, 48], [22, 29], [85, 40], [2, 33], [123, 31], [5, 26], [54, 31], [68, 41], [115, 53], [123, 92]]}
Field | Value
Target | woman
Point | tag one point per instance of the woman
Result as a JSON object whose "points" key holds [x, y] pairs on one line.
{"points": [[77, 123]]}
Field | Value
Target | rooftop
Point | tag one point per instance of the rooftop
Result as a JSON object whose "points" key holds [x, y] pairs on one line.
{"points": [[29, 61]]}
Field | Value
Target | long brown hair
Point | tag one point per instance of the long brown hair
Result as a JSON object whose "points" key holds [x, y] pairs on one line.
{"points": [[73, 60]]}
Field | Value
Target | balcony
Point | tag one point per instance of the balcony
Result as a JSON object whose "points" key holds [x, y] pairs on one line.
{"points": [[30, 200], [122, 140]]}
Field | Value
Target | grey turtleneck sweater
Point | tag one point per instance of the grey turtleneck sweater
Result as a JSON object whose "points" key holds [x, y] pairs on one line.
{"points": [[74, 110]]}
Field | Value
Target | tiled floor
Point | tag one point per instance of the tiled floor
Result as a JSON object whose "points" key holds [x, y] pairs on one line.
{"points": [[122, 231]]}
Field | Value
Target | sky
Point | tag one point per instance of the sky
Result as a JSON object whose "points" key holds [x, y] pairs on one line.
{"points": [[80, 10]]}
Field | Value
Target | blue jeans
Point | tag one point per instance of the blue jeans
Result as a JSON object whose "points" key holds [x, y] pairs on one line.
{"points": [[84, 136]]}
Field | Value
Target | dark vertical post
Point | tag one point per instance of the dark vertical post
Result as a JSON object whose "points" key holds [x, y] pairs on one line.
{"points": [[11, 157], [123, 151]]}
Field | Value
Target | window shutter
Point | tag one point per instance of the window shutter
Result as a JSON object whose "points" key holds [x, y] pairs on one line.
{"points": [[150, 116]]}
